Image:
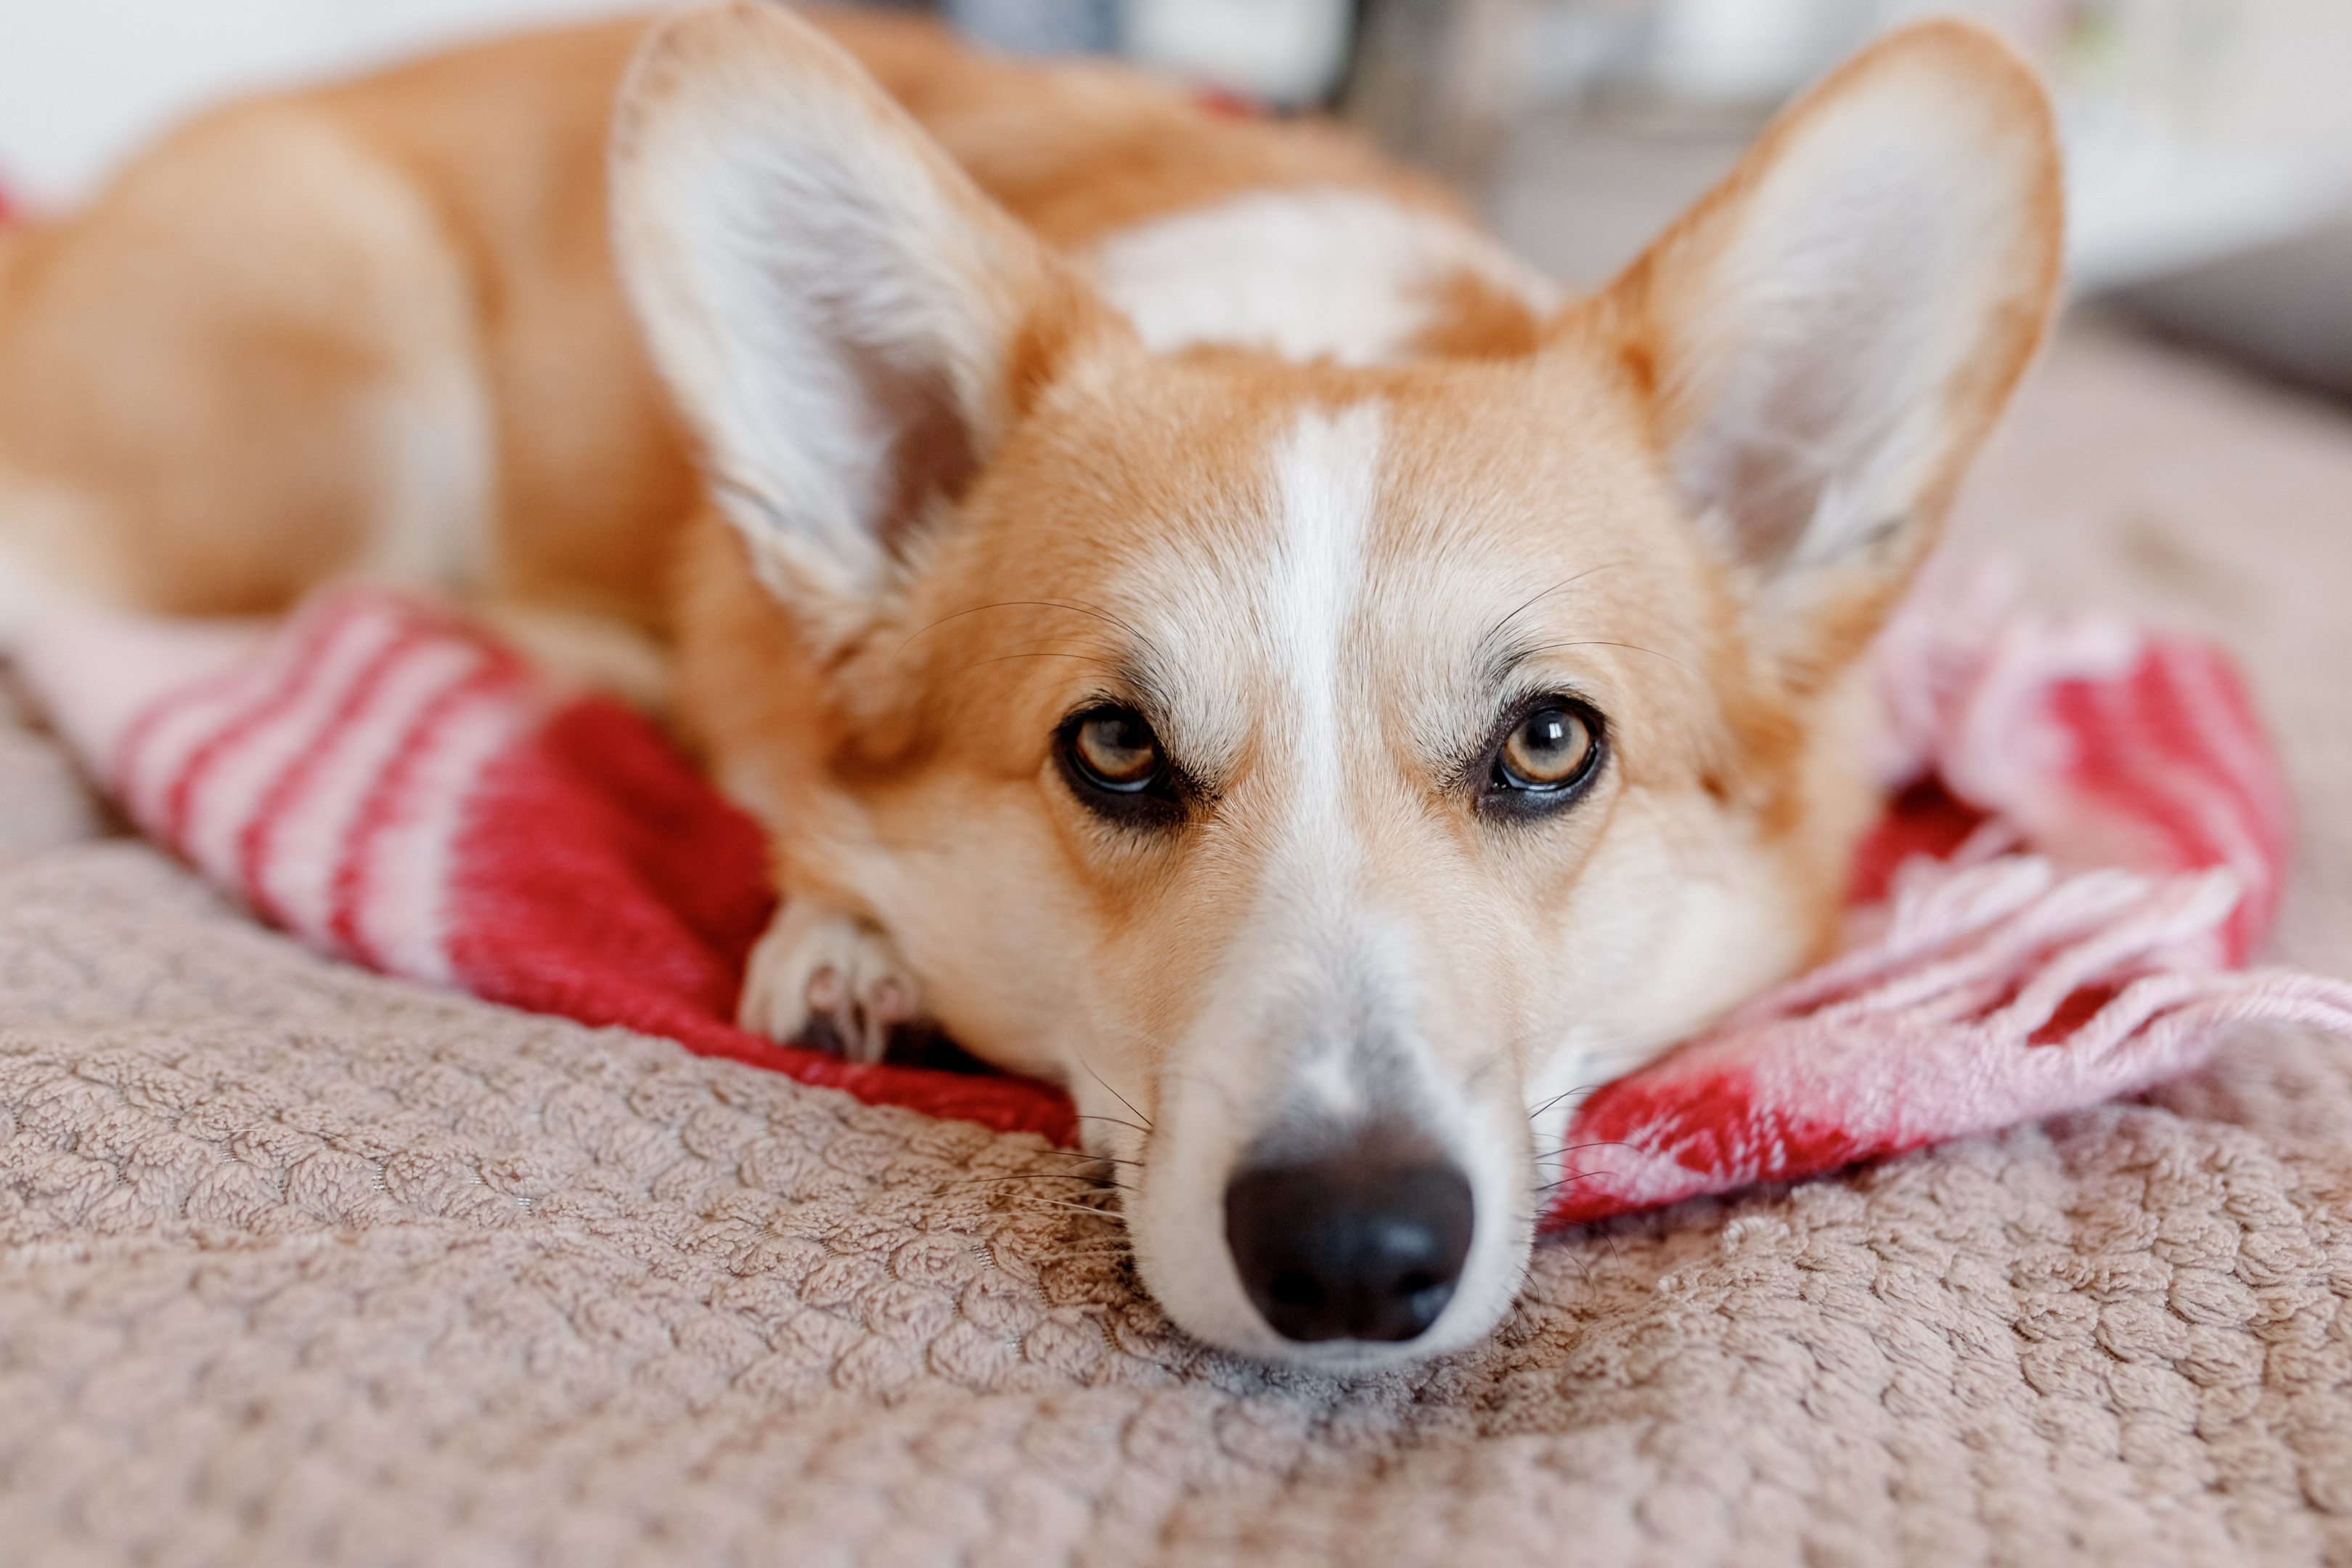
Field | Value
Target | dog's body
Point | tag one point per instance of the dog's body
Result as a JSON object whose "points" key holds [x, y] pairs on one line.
{"points": [[1229, 640]]}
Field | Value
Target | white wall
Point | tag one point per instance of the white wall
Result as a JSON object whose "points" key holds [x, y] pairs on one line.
{"points": [[2194, 127], [83, 82]]}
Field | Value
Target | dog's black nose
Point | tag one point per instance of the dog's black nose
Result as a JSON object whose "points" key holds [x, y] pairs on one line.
{"points": [[1363, 1244]]}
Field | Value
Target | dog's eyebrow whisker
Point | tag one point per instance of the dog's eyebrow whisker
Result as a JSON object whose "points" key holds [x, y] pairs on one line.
{"points": [[1605, 642], [1497, 629], [1099, 612], [1103, 615], [1011, 604], [1009, 657], [1071, 648]]}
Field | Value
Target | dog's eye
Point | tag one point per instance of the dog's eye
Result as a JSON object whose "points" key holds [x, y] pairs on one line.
{"points": [[1546, 756], [1116, 767], [1547, 749], [1117, 750]]}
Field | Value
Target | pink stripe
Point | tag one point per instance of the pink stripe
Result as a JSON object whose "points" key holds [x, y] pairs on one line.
{"points": [[395, 798], [223, 801], [322, 734], [312, 833], [403, 915], [148, 758], [268, 695], [311, 659]]}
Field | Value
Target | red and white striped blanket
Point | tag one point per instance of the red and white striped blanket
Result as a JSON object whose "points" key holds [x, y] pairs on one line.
{"points": [[2084, 840]]}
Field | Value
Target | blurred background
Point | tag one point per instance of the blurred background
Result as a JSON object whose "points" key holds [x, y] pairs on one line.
{"points": [[2209, 141], [2182, 454]]}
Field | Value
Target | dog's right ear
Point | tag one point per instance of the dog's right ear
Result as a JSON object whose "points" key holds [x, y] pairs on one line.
{"points": [[849, 325], [1827, 337]]}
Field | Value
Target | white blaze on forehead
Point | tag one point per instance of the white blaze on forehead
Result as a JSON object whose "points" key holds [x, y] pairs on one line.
{"points": [[1326, 477]]}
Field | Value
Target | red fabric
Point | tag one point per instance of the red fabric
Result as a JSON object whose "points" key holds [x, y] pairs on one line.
{"points": [[2163, 768], [1923, 819], [601, 879], [2172, 772]]}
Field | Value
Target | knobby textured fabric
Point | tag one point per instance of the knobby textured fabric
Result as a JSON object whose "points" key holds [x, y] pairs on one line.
{"points": [[2085, 840]]}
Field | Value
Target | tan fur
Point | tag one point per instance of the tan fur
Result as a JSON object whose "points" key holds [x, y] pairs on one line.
{"points": [[1326, 581]]}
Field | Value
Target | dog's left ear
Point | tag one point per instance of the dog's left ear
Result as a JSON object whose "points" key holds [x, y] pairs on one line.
{"points": [[1829, 335], [848, 323]]}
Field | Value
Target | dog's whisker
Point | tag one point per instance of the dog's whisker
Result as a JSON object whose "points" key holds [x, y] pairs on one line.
{"points": [[1113, 1216], [1564, 1094], [1492, 1061], [1553, 1160], [1091, 1159], [1589, 1144], [1115, 1093], [1114, 1120], [1032, 1176]]}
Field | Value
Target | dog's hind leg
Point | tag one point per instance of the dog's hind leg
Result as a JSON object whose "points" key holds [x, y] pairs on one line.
{"points": [[247, 367]]}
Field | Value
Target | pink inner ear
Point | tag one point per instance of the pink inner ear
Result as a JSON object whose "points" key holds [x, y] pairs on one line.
{"points": [[1835, 326], [933, 457]]}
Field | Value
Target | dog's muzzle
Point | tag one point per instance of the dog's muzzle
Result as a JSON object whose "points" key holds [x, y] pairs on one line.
{"points": [[1365, 1242]]}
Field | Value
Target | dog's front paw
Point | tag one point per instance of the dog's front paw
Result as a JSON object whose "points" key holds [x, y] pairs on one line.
{"points": [[827, 980]]}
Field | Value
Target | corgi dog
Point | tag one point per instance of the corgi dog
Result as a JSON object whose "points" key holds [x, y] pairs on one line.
{"points": [[1199, 621]]}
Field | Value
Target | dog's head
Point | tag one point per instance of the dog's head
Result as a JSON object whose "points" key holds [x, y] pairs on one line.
{"points": [[1324, 771]]}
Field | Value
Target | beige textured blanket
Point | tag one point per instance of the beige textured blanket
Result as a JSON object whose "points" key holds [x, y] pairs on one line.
{"points": [[297, 1265]]}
